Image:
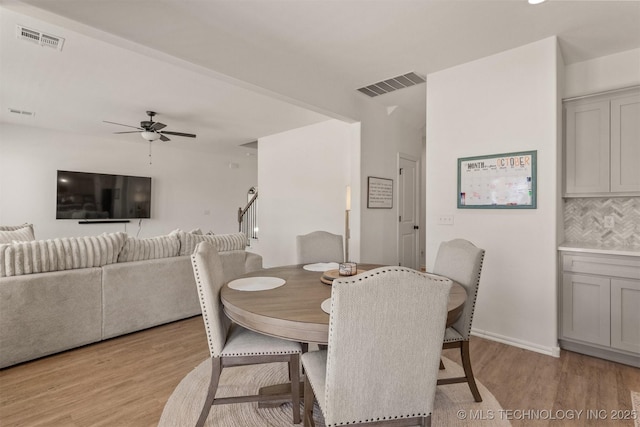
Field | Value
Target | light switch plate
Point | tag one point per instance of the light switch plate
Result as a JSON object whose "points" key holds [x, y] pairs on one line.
{"points": [[445, 219]]}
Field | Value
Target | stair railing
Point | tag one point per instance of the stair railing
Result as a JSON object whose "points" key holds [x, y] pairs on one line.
{"points": [[248, 216]]}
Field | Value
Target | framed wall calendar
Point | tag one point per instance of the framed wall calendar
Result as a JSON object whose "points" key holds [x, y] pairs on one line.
{"points": [[498, 181]]}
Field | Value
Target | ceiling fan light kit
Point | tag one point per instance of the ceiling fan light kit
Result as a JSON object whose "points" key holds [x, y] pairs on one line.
{"points": [[150, 130], [150, 136]]}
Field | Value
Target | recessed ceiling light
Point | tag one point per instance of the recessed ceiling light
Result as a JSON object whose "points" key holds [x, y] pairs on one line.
{"points": [[536, 1]]}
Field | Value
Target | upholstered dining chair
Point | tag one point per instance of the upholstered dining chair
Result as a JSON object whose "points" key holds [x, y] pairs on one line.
{"points": [[461, 261], [385, 339], [233, 345], [319, 246]]}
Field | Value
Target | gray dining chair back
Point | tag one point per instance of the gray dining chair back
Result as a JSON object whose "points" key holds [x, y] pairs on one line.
{"points": [[385, 338], [207, 268], [319, 246], [233, 345], [461, 261]]}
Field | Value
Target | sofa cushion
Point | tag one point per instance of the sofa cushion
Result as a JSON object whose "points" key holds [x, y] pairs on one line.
{"points": [[223, 242], [135, 249], [67, 253], [141, 294], [46, 313], [20, 233]]}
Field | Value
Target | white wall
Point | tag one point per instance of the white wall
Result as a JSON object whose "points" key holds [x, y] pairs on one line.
{"points": [[502, 103], [383, 137], [302, 176], [605, 73], [185, 183]]}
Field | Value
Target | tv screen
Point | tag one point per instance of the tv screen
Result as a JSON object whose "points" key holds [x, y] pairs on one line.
{"points": [[83, 195]]}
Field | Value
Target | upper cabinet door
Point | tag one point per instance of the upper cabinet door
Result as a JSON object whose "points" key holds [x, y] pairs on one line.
{"points": [[625, 143], [587, 147]]}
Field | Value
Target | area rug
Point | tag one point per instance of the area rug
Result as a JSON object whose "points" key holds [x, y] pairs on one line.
{"points": [[454, 404], [635, 403]]}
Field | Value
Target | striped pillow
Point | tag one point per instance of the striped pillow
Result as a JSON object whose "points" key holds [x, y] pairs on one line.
{"points": [[15, 227], [223, 242], [67, 253], [154, 247], [20, 233]]}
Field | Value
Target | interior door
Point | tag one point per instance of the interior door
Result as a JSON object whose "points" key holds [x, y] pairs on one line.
{"points": [[408, 212]]}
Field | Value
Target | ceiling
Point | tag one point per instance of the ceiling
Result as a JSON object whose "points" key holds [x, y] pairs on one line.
{"points": [[234, 71]]}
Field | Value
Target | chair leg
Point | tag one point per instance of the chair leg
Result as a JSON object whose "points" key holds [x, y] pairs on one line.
{"points": [[216, 368], [441, 365], [305, 349], [468, 372], [294, 374], [309, 399], [427, 421]]}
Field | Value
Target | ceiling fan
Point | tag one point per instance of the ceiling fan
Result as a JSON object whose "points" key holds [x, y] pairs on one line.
{"points": [[150, 130]]}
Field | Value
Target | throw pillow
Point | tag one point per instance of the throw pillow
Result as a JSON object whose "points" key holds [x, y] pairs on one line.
{"points": [[223, 242], [40, 256], [22, 233], [135, 249], [14, 227]]}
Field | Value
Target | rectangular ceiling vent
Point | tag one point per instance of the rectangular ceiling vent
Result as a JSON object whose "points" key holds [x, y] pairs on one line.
{"points": [[392, 84], [38, 37]]}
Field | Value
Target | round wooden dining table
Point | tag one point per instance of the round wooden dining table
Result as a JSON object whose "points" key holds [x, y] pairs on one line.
{"points": [[292, 311]]}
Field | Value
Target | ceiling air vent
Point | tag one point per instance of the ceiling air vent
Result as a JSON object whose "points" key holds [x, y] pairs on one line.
{"points": [[38, 37], [22, 112], [392, 84]]}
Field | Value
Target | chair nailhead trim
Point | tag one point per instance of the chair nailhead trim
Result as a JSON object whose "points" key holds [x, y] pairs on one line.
{"points": [[204, 311], [370, 420], [262, 353], [475, 297]]}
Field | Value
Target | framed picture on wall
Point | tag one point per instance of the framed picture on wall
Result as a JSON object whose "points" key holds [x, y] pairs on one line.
{"points": [[379, 193], [498, 181]]}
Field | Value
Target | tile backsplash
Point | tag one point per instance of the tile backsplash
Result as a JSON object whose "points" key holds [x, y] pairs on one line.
{"points": [[584, 220]]}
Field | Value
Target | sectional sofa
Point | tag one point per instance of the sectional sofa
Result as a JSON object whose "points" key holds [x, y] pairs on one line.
{"points": [[64, 293]]}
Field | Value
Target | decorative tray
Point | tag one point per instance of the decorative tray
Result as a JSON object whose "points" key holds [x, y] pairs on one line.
{"points": [[329, 276]]}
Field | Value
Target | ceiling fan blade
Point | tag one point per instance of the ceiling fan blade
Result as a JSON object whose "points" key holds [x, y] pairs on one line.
{"points": [[157, 126], [164, 138], [130, 131], [120, 124], [188, 135]]}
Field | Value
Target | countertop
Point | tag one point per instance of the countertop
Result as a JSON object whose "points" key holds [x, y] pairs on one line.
{"points": [[595, 248]]}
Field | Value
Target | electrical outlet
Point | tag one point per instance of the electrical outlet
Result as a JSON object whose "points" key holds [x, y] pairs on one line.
{"points": [[445, 219], [609, 221]]}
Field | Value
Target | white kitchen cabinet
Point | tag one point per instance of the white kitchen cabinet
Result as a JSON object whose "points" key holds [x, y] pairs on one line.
{"points": [[599, 309], [602, 145]]}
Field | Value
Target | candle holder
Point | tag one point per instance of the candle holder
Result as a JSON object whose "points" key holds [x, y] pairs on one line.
{"points": [[348, 268]]}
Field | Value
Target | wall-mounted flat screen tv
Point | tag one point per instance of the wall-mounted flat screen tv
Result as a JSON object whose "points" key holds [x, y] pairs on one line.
{"points": [[83, 195]]}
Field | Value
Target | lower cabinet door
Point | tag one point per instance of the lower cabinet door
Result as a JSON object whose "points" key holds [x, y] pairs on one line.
{"points": [[586, 309], [625, 314]]}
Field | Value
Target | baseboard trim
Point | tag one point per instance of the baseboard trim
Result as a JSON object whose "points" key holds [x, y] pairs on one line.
{"points": [[602, 353], [549, 351]]}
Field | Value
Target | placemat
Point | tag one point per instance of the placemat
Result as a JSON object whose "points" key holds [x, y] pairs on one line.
{"points": [[321, 266], [256, 283], [326, 305]]}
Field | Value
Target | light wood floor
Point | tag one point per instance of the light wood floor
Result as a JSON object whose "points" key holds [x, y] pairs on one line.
{"points": [[127, 380]]}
